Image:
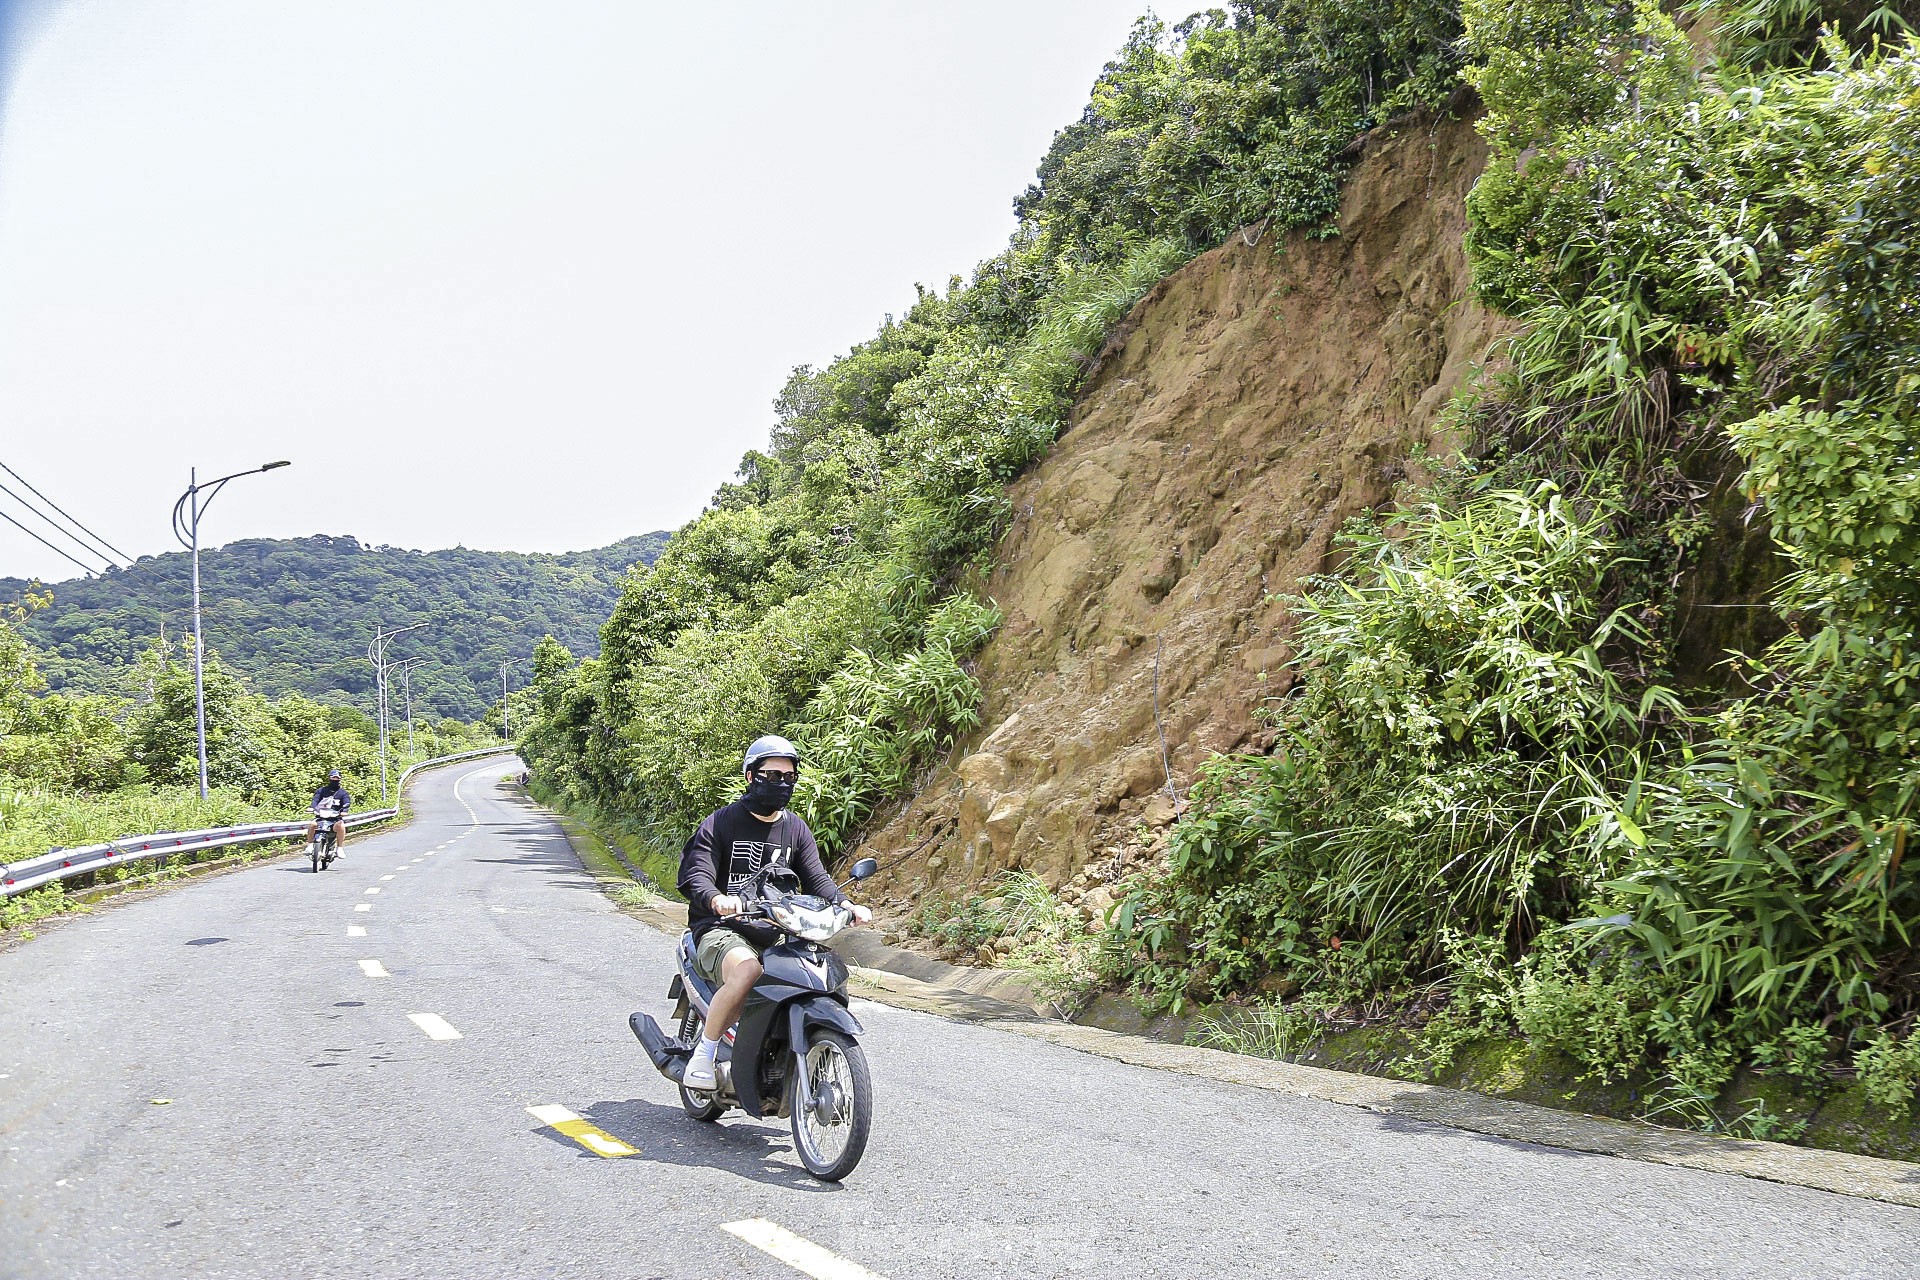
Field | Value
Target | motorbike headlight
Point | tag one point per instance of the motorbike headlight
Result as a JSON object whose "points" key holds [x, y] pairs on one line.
{"points": [[820, 926], [815, 924]]}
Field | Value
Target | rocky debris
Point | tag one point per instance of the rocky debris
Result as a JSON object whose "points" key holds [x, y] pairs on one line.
{"points": [[1250, 404]]}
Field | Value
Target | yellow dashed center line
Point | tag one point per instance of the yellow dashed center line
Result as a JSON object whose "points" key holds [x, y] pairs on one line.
{"points": [[598, 1141]]}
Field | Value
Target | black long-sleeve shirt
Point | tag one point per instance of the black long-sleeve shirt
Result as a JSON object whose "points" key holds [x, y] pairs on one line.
{"points": [[729, 847]]}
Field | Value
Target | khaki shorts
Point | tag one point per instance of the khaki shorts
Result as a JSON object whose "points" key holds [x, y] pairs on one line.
{"points": [[713, 948]]}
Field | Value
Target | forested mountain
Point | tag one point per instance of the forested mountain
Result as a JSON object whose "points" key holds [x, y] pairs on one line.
{"points": [[295, 615]]}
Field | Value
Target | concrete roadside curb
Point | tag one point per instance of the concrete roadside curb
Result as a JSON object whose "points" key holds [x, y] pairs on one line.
{"points": [[1868, 1177], [1005, 1002]]}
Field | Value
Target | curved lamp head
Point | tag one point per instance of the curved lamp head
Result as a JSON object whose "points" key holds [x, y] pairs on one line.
{"points": [[274, 465]]}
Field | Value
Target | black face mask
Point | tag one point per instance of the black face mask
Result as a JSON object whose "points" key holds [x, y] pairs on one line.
{"points": [[768, 794]]}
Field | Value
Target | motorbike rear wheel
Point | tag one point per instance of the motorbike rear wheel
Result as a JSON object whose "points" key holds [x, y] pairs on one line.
{"points": [[701, 1106], [831, 1135]]}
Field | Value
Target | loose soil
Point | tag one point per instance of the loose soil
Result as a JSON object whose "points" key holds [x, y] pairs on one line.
{"points": [[1247, 407]]}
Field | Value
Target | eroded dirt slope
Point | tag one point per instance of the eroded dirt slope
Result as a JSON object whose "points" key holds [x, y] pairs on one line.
{"points": [[1249, 405]]}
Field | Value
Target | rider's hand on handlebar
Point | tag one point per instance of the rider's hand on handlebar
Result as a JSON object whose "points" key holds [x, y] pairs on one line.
{"points": [[861, 915], [725, 904]]}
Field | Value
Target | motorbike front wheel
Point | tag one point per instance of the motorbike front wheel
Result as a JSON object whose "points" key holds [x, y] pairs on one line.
{"points": [[831, 1135], [313, 848], [701, 1106]]}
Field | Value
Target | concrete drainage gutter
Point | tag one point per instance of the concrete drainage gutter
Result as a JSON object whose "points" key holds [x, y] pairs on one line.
{"points": [[1836, 1171], [1006, 1002]]}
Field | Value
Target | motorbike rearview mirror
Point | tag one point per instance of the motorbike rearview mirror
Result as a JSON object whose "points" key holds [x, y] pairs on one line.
{"points": [[863, 868]]}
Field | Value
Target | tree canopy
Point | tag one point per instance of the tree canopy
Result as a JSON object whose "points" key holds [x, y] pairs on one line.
{"points": [[295, 615]]}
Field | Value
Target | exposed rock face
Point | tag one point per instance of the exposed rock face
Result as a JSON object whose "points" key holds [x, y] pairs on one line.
{"points": [[1248, 406]]}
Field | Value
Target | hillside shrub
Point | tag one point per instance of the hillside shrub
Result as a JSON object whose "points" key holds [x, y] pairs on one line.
{"points": [[1460, 738], [828, 590], [1714, 264]]}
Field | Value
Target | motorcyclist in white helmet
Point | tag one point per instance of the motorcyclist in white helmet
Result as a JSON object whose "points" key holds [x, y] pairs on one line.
{"points": [[733, 843]]}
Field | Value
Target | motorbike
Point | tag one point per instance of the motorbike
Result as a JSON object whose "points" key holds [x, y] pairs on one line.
{"points": [[795, 1053], [325, 846]]}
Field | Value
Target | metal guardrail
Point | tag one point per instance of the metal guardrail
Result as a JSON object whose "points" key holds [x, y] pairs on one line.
{"points": [[64, 864], [437, 761]]}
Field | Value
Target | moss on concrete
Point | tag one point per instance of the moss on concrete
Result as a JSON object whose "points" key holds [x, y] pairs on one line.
{"points": [[1847, 1120], [1836, 1117]]}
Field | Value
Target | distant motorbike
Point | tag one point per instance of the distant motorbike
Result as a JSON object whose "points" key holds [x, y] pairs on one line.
{"points": [[795, 1052], [325, 846]]}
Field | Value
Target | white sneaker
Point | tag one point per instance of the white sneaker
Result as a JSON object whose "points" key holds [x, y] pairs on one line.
{"points": [[699, 1075]]}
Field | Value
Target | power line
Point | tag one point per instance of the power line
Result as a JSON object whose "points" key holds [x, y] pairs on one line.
{"points": [[70, 520], [43, 518], [86, 569]]}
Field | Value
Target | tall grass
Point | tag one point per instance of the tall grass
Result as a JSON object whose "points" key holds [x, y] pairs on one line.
{"points": [[33, 822]]}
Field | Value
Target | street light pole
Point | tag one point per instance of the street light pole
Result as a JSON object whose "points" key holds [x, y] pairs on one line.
{"points": [[506, 724], [406, 666], [186, 527], [377, 655]]}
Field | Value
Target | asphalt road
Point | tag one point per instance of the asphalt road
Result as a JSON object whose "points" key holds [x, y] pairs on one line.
{"points": [[313, 1127]]}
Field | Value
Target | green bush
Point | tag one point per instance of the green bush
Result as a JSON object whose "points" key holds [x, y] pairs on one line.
{"points": [[1889, 1070], [823, 591], [1715, 270], [1461, 741]]}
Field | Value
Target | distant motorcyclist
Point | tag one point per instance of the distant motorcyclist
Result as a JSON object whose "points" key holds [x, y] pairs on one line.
{"points": [[331, 799], [734, 843]]}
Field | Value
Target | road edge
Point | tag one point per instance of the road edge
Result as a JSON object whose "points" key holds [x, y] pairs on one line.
{"points": [[1838, 1172], [1009, 1005]]}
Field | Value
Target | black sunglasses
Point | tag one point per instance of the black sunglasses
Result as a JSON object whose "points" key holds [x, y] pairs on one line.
{"points": [[776, 773]]}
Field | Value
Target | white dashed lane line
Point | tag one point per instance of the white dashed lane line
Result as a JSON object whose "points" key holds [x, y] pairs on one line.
{"points": [[374, 969], [436, 1027], [801, 1254], [356, 931], [363, 906], [375, 889]]}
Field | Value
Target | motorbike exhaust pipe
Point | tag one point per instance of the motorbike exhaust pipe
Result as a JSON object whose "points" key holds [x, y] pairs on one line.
{"points": [[669, 1055]]}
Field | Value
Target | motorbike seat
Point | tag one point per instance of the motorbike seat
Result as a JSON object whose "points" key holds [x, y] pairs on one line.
{"points": [[690, 972]]}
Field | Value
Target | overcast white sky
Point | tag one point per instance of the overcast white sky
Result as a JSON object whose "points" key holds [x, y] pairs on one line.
{"points": [[510, 275]]}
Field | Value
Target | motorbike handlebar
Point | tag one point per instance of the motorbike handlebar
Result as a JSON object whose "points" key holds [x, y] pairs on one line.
{"points": [[761, 909]]}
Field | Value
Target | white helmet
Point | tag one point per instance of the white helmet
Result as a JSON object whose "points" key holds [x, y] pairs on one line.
{"points": [[767, 748]]}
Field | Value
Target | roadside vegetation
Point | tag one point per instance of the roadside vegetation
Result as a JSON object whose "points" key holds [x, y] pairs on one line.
{"points": [[1603, 740], [832, 589], [77, 769], [1508, 798]]}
